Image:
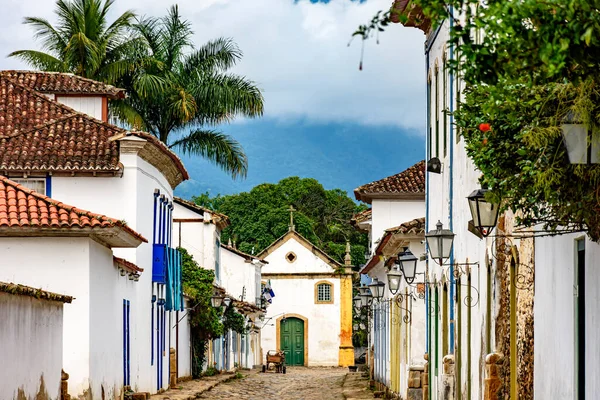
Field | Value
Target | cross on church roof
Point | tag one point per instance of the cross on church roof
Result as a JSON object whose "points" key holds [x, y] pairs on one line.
{"points": [[292, 209]]}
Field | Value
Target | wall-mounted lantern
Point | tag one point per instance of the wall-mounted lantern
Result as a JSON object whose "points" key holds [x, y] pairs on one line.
{"points": [[377, 289], [484, 213], [582, 144], [439, 243]]}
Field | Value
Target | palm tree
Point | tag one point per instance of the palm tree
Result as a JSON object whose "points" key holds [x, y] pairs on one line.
{"points": [[192, 90], [83, 42]]}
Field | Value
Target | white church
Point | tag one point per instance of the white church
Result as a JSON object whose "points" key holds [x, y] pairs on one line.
{"points": [[310, 317]]}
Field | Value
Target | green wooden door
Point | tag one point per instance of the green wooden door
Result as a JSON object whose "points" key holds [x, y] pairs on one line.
{"points": [[292, 340]]}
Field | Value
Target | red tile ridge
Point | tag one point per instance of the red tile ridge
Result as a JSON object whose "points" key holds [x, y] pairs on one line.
{"points": [[127, 265]]}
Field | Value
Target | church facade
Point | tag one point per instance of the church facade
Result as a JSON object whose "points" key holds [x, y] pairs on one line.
{"points": [[310, 317]]}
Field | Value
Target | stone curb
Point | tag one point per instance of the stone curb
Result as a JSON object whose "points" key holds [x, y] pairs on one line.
{"points": [[355, 387]]}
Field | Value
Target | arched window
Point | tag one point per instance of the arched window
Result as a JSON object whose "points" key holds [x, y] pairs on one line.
{"points": [[323, 292]]}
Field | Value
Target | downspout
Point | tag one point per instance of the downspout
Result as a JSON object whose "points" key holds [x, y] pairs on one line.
{"points": [[152, 332], [427, 145], [451, 191]]}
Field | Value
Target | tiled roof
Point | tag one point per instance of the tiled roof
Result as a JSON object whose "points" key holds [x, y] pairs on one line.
{"points": [[63, 83], [26, 211], [39, 135], [129, 266], [362, 216], [413, 13], [414, 227], [14, 288], [218, 218], [408, 183], [246, 256]]}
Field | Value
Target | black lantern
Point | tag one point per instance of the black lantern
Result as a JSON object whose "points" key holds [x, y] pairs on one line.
{"points": [[216, 301], [365, 295], [408, 265], [394, 276], [377, 288], [226, 301], [439, 243], [484, 213], [357, 300]]}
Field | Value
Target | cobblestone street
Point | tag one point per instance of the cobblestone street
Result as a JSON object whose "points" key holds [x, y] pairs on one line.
{"points": [[298, 384]]}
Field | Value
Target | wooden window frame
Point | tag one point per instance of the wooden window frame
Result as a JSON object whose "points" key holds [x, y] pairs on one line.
{"points": [[330, 301]]}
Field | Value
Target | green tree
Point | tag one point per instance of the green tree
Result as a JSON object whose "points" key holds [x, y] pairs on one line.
{"points": [[204, 319], [262, 215], [83, 41], [192, 92]]}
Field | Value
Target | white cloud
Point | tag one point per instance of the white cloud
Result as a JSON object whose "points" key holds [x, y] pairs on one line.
{"points": [[297, 53]]}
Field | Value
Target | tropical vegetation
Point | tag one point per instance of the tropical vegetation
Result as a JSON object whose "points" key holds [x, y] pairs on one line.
{"points": [[262, 215], [528, 66], [177, 92]]}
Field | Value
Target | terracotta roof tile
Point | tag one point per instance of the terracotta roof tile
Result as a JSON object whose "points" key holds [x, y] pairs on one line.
{"points": [[414, 227], [14, 288], [408, 183], [21, 207], [129, 266], [362, 216], [219, 219], [41, 135], [62, 83]]}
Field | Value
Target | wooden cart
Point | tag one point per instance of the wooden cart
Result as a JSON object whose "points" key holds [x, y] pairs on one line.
{"points": [[276, 359]]}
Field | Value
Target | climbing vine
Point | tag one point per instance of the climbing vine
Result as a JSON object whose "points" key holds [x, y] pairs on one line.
{"points": [[204, 319]]}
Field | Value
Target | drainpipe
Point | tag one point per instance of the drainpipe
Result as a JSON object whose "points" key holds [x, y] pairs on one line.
{"points": [[451, 193], [427, 153], [152, 332]]}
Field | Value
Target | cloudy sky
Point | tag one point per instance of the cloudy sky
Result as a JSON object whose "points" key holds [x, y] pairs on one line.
{"points": [[323, 117]]}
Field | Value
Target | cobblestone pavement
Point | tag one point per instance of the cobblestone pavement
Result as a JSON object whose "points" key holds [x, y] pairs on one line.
{"points": [[299, 383]]}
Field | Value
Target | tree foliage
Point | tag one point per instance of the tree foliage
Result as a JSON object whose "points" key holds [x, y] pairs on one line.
{"points": [[179, 92], [83, 41], [261, 216]]}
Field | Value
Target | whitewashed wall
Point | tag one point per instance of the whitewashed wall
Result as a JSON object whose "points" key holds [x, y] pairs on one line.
{"points": [[91, 105], [306, 261], [239, 274], [198, 238], [131, 198], [388, 213], [184, 354], [554, 318], [31, 345]]}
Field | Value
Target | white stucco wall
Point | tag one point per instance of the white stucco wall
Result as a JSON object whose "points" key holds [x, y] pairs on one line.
{"points": [[388, 213], [198, 238], [184, 353], [306, 261], [91, 105], [239, 274], [554, 318], [31, 345]]}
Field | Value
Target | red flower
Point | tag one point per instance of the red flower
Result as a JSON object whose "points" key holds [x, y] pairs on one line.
{"points": [[484, 127]]}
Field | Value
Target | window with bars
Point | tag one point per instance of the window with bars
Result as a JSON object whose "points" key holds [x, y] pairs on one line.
{"points": [[323, 292]]}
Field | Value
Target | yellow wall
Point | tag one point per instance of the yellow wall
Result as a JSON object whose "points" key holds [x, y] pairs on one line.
{"points": [[346, 353]]}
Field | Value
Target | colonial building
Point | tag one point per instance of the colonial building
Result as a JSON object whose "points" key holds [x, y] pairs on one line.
{"points": [[310, 317], [116, 261], [396, 226]]}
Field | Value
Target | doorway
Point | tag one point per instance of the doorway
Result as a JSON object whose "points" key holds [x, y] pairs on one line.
{"points": [[292, 340]]}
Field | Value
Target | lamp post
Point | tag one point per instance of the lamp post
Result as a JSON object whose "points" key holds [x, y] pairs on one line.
{"points": [[408, 265], [484, 213], [439, 243], [377, 289]]}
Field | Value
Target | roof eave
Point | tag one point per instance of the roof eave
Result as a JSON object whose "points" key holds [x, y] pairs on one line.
{"points": [[114, 236]]}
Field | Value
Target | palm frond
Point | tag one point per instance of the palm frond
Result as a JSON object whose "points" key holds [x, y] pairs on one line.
{"points": [[128, 115], [40, 60], [226, 95], [177, 37], [221, 53], [222, 150], [51, 39]]}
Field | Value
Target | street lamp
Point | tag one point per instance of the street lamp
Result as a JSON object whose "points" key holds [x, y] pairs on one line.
{"points": [[377, 289], [227, 301], [439, 243], [357, 300], [394, 276], [408, 265], [365, 295], [484, 213], [216, 301], [582, 144]]}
